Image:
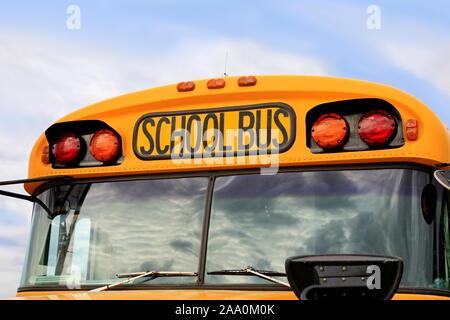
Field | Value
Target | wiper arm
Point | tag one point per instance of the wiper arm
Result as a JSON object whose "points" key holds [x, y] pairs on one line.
{"points": [[265, 274], [136, 275]]}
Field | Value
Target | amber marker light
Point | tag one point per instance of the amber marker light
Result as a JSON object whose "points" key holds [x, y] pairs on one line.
{"points": [[105, 145], [330, 131], [412, 130], [45, 155], [215, 83], [186, 86], [247, 81]]}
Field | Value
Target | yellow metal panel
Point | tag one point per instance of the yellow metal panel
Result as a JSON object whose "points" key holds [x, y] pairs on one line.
{"points": [[187, 295]]}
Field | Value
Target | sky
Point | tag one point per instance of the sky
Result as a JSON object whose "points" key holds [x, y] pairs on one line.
{"points": [[59, 56]]}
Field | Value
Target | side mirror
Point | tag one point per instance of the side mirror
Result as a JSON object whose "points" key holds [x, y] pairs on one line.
{"points": [[339, 276], [443, 177]]}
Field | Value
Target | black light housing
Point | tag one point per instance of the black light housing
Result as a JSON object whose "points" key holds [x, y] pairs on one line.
{"points": [[84, 130], [337, 276], [372, 124]]}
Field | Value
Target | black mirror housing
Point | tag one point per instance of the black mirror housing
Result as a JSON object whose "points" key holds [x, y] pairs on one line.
{"points": [[443, 177], [344, 276]]}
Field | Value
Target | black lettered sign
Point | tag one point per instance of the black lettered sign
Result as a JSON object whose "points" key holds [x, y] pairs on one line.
{"points": [[241, 130]]}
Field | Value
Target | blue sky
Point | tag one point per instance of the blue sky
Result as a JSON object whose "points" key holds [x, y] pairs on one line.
{"points": [[49, 70]]}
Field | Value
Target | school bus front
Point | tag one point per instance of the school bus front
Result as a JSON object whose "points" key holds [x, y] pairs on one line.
{"points": [[232, 188]]}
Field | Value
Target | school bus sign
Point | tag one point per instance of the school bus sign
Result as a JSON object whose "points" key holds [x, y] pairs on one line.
{"points": [[221, 132]]}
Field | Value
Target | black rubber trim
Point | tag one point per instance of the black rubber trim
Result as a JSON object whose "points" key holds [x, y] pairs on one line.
{"points": [[229, 172]]}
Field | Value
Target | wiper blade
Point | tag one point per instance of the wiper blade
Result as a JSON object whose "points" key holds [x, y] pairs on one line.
{"points": [[136, 275], [156, 274], [265, 274], [243, 272]]}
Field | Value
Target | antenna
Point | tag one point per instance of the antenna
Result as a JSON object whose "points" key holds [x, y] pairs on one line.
{"points": [[226, 62]]}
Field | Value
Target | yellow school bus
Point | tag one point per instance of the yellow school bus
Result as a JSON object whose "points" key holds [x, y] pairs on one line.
{"points": [[252, 187]]}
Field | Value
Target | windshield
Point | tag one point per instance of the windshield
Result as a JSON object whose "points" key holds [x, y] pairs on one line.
{"points": [[264, 219], [257, 221], [116, 227]]}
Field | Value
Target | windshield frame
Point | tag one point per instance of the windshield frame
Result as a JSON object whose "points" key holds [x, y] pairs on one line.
{"points": [[212, 175]]}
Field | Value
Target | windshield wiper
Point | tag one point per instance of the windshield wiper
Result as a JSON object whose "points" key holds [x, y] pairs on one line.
{"points": [[136, 275], [265, 274]]}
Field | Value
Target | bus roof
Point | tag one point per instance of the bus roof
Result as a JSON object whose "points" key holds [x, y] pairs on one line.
{"points": [[295, 96]]}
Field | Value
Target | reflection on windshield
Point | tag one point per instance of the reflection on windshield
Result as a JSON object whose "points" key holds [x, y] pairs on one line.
{"points": [[120, 227], [261, 220]]}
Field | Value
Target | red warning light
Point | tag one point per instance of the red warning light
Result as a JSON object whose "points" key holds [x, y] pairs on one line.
{"points": [[377, 127], [67, 148]]}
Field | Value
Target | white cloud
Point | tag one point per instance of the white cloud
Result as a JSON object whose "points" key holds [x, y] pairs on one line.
{"points": [[405, 41], [56, 78], [12, 258], [429, 62], [42, 80]]}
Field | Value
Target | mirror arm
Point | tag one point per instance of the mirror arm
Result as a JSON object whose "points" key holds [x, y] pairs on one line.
{"points": [[53, 178], [27, 197]]}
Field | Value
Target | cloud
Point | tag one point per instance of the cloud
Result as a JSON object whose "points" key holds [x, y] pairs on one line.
{"points": [[429, 62], [407, 40], [12, 258], [56, 78]]}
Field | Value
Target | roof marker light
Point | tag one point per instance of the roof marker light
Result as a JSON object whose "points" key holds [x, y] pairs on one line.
{"points": [[186, 86], [377, 128], [247, 81], [215, 83], [330, 131]]}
